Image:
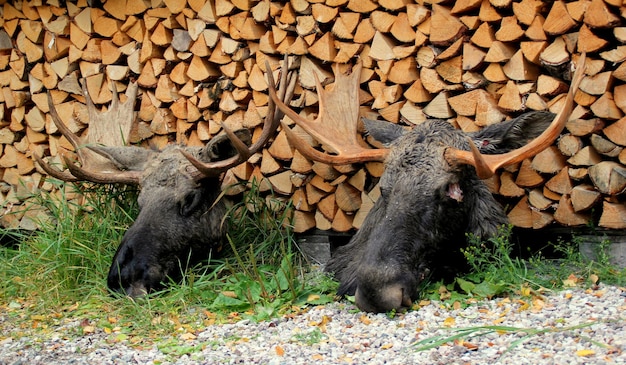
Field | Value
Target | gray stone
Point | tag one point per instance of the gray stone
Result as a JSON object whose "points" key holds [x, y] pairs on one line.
{"points": [[613, 245]]}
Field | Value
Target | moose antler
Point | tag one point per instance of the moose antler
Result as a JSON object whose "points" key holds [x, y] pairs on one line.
{"points": [[336, 123], [110, 127], [336, 128], [486, 165], [210, 169]]}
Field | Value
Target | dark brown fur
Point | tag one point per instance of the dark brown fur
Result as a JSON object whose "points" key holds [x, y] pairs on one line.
{"points": [[181, 220], [419, 224]]}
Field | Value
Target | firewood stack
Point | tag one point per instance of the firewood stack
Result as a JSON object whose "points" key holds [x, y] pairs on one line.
{"points": [[201, 63]]}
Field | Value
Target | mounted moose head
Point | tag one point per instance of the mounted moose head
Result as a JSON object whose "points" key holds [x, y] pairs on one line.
{"points": [[431, 192], [181, 210]]}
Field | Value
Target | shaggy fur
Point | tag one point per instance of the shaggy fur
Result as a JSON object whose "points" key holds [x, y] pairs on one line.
{"points": [[418, 225], [180, 219]]}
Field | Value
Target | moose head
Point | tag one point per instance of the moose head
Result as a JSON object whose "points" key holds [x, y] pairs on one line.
{"points": [[431, 189], [181, 206]]}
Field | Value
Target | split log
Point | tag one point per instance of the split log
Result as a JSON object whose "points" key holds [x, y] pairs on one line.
{"points": [[584, 197], [613, 215], [566, 215], [608, 177]]}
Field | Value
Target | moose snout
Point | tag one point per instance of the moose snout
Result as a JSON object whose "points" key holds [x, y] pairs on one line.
{"points": [[384, 299], [134, 272], [134, 279]]}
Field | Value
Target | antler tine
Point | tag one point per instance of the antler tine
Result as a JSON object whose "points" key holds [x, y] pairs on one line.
{"points": [[61, 175], [336, 123], [211, 169], [124, 177], [288, 84], [90, 104], [486, 165], [85, 155], [65, 131], [71, 137]]}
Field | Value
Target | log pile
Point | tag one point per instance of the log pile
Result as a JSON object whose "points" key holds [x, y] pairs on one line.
{"points": [[201, 63]]}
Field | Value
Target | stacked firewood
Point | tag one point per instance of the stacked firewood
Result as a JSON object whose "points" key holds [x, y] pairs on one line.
{"points": [[200, 64]]}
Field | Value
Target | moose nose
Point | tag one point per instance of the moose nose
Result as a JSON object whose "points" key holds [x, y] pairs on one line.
{"points": [[392, 297]]}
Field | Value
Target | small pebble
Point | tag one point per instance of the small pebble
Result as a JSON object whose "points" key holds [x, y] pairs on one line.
{"points": [[350, 338]]}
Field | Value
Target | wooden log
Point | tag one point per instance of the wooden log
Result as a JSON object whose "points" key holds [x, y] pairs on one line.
{"points": [[585, 157], [528, 177], [342, 221], [328, 207], [445, 29], [561, 182], [348, 197], [548, 161], [615, 132], [508, 188], [613, 215], [488, 13], [324, 48], [303, 221], [367, 203], [566, 215], [558, 20], [608, 177], [604, 146], [537, 200], [511, 100], [510, 30], [569, 144], [520, 215], [584, 197], [598, 15], [584, 127], [541, 219], [281, 183]]}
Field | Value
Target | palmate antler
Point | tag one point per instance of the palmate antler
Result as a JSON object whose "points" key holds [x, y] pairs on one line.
{"points": [[336, 123], [287, 86], [336, 128], [111, 127]]}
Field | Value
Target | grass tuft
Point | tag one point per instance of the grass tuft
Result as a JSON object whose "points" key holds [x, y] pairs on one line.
{"points": [[59, 273], [495, 271]]}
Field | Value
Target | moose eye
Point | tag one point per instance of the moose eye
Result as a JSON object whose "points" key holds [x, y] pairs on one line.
{"points": [[190, 203]]}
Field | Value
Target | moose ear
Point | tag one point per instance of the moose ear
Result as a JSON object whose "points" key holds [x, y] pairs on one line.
{"points": [[512, 134], [383, 132], [190, 202], [126, 157], [219, 147]]}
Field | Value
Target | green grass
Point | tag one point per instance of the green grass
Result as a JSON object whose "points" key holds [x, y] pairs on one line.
{"points": [[477, 331], [495, 271], [59, 273]]}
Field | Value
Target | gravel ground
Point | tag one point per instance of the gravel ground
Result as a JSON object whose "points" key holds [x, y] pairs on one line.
{"points": [[575, 326]]}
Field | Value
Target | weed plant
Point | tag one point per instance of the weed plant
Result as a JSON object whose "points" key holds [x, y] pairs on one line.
{"points": [[59, 273], [71, 253], [494, 270]]}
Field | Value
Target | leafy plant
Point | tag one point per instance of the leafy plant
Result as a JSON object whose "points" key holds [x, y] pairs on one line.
{"points": [[266, 269], [311, 337], [59, 272], [495, 271]]}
